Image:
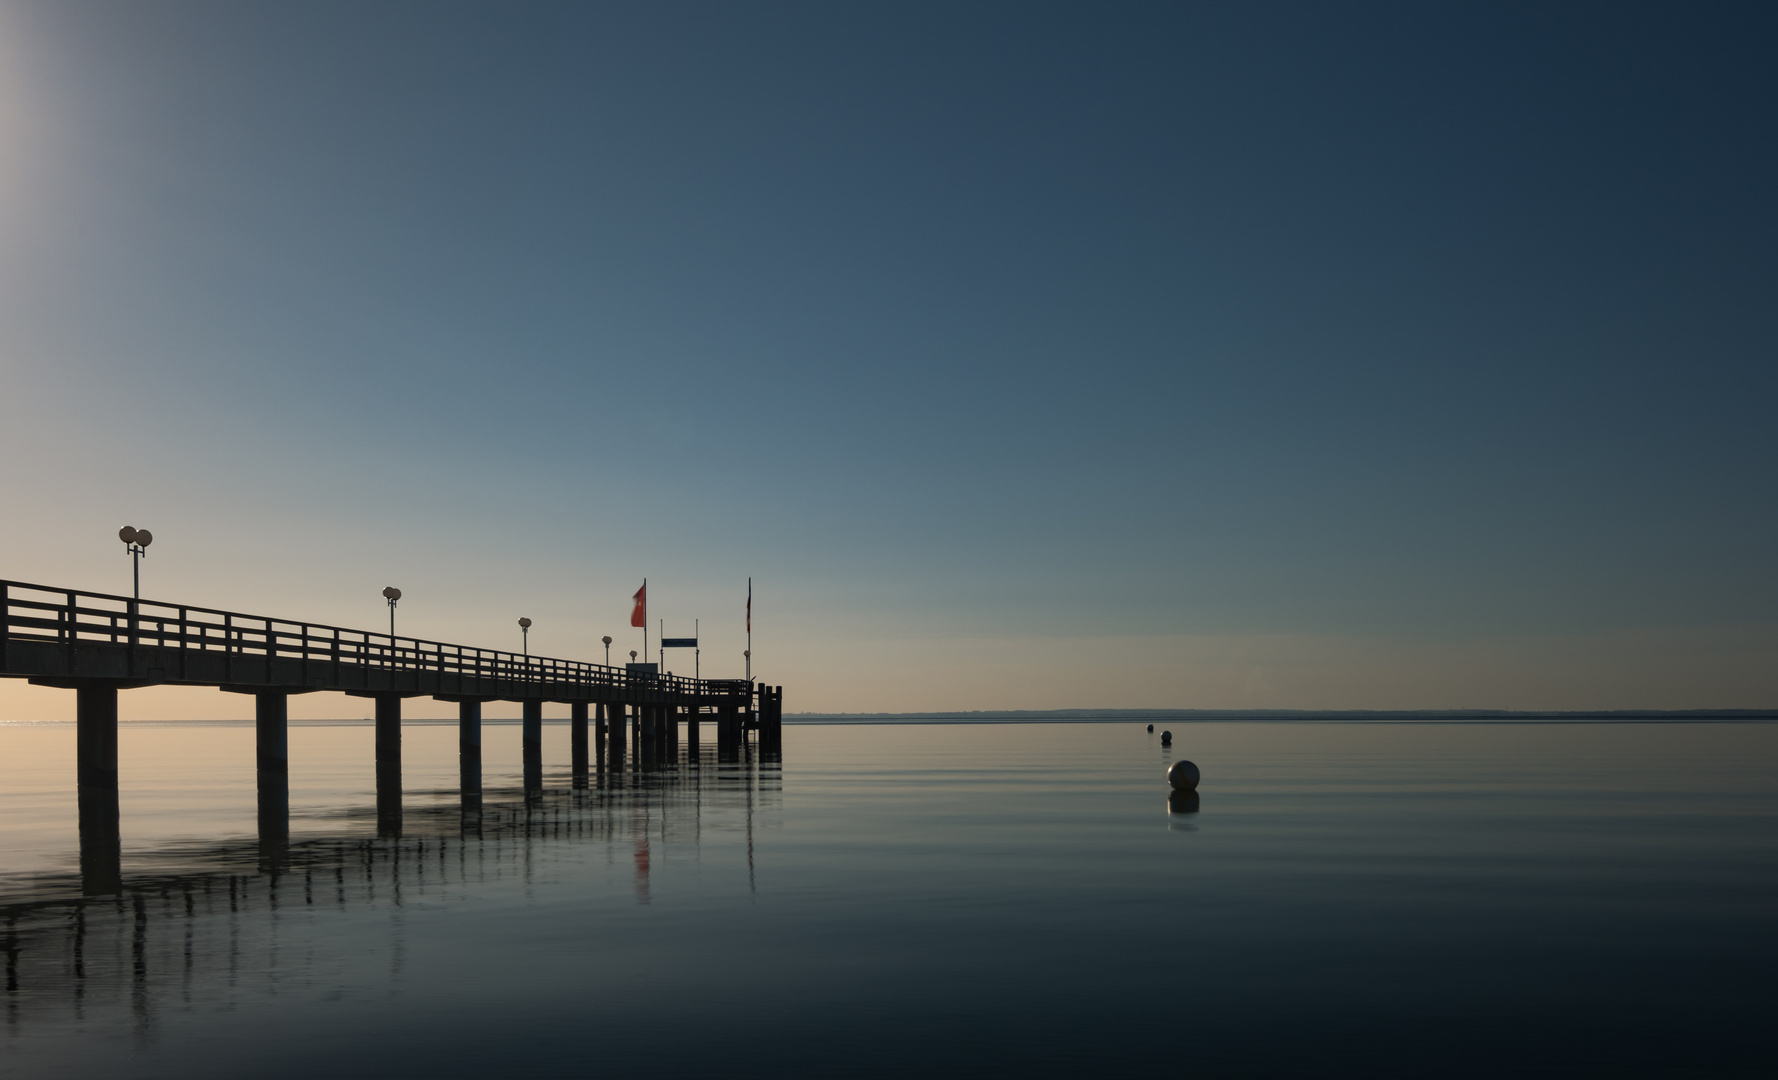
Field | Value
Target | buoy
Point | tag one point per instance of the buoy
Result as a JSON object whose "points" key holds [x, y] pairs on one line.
{"points": [[1183, 776], [1151, 729], [1166, 738]]}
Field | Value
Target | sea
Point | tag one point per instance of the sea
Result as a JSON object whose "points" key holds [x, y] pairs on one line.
{"points": [[1369, 897]]}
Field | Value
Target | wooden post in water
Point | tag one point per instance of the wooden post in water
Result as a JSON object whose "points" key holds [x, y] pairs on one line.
{"points": [[772, 735]]}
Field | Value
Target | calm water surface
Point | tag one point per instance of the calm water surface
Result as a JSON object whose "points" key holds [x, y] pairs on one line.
{"points": [[1344, 899]]}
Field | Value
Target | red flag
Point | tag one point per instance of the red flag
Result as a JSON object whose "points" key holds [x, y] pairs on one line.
{"points": [[639, 614]]}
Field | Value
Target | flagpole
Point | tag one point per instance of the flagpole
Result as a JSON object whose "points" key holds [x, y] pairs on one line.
{"points": [[749, 629], [645, 620]]}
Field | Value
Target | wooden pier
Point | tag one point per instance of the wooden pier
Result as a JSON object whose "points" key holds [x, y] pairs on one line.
{"points": [[97, 644]]}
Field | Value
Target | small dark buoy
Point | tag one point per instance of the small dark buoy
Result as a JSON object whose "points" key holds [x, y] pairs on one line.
{"points": [[1183, 776], [1151, 729], [1166, 738]]}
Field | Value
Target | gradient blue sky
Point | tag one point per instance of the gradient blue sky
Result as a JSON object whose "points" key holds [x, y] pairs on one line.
{"points": [[1027, 356]]}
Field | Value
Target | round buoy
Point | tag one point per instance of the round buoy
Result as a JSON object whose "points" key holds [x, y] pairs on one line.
{"points": [[1151, 729], [1166, 738], [1183, 776]]}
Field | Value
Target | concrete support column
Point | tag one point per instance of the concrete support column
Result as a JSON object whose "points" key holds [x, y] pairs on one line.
{"points": [[691, 731], [469, 751], [96, 735], [532, 742], [95, 740], [577, 741], [616, 734], [274, 821], [271, 722], [389, 733], [388, 764], [728, 730]]}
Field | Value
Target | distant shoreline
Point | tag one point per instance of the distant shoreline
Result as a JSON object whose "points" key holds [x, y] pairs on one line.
{"points": [[1188, 716], [1103, 716]]}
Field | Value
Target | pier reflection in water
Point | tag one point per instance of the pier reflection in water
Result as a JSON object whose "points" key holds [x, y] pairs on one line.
{"points": [[79, 946]]}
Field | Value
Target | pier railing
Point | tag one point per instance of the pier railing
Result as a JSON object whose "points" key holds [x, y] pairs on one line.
{"points": [[37, 615]]}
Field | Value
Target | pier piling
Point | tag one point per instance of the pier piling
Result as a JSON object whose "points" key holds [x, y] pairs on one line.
{"points": [[577, 741], [271, 722], [101, 842], [469, 750], [388, 764], [532, 743]]}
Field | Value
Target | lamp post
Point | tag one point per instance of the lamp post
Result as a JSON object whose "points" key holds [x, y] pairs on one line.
{"points": [[632, 656], [392, 594], [136, 541], [525, 629], [607, 640]]}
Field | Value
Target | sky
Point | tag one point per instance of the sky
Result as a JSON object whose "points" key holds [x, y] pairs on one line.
{"points": [[1024, 355]]}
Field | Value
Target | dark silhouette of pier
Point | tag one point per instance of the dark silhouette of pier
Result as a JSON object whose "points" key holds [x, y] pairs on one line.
{"points": [[97, 645]]}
